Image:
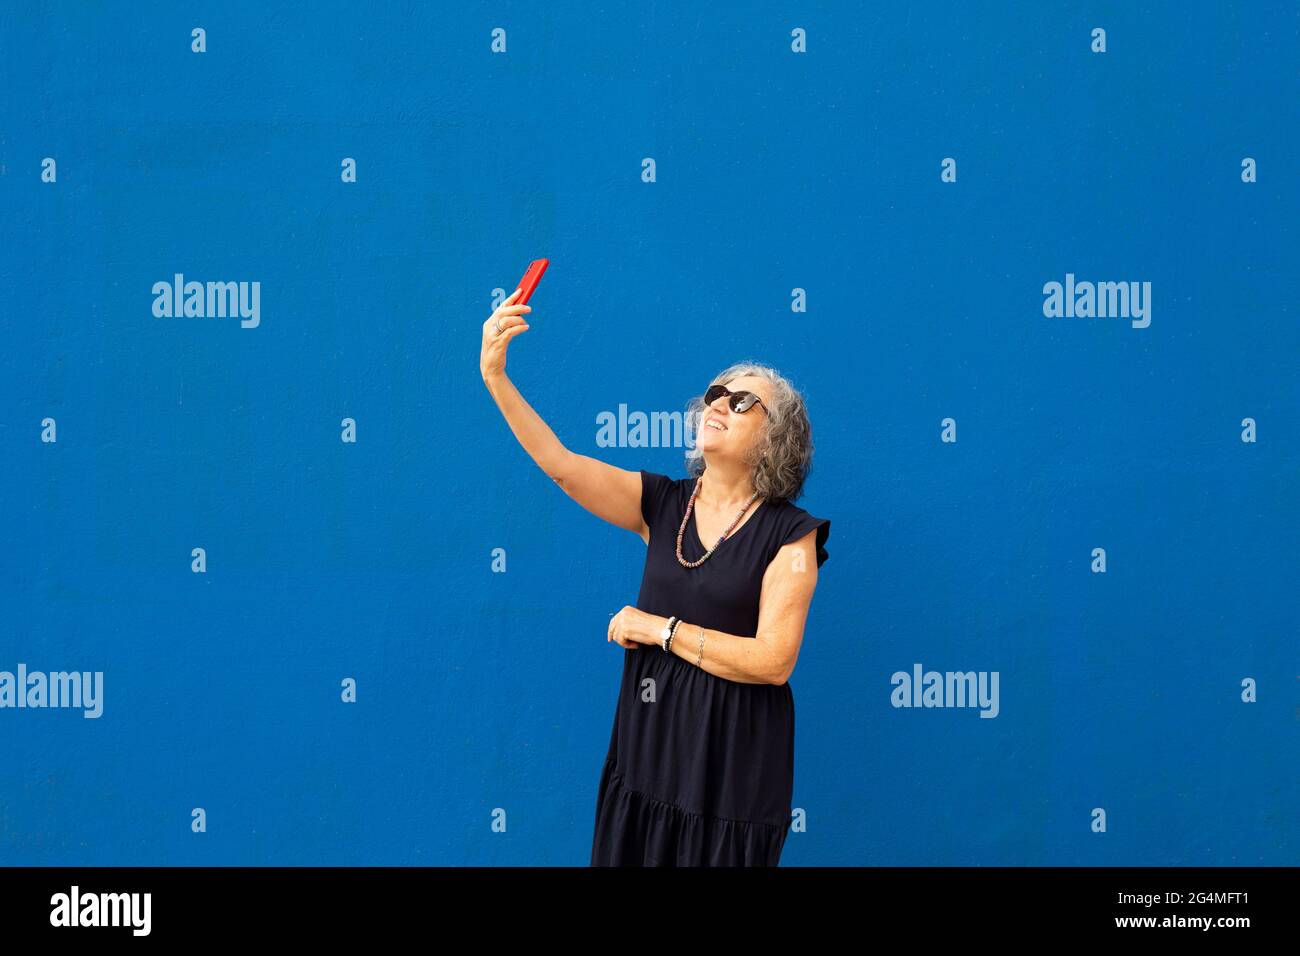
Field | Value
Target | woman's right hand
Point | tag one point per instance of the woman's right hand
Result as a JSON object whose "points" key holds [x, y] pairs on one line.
{"points": [[492, 357]]}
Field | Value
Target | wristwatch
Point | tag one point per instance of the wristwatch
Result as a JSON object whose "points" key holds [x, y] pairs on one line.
{"points": [[666, 635]]}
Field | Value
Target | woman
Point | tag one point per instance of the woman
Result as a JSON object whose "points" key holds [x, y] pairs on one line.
{"points": [[700, 768]]}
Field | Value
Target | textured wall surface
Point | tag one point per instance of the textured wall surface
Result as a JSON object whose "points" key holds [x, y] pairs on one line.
{"points": [[873, 199]]}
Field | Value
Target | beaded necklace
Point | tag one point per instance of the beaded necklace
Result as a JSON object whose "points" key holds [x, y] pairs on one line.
{"points": [[682, 530]]}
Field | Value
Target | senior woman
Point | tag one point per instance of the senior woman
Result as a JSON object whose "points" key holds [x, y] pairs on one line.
{"points": [[700, 767]]}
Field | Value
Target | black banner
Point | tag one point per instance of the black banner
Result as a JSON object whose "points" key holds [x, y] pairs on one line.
{"points": [[332, 905]]}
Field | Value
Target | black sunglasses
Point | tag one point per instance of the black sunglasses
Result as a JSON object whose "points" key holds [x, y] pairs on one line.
{"points": [[739, 401]]}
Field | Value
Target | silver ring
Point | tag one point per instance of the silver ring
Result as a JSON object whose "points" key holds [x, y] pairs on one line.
{"points": [[498, 325]]}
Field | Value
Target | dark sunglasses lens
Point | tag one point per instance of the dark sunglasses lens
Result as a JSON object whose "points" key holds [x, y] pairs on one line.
{"points": [[739, 401]]}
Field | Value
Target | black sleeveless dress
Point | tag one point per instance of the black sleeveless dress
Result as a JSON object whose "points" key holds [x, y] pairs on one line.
{"points": [[700, 769]]}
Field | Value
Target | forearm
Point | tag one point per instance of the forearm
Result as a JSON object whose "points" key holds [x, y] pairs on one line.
{"points": [[745, 660], [532, 433]]}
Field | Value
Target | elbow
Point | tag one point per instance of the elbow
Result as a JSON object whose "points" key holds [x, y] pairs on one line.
{"points": [[776, 667], [557, 469]]}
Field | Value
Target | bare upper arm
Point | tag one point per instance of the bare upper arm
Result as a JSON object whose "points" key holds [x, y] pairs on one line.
{"points": [[608, 492], [788, 585]]}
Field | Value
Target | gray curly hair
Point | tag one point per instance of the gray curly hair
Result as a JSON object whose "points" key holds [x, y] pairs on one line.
{"points": [[782, 457]]}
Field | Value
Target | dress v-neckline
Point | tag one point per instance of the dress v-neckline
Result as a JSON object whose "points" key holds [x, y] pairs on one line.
{"points": [[695, 530]]}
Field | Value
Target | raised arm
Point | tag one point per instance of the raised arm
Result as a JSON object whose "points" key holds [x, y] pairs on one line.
{"points": [[611, 493]]}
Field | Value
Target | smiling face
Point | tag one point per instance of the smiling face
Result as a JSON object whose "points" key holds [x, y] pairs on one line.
{"points": [[724, 432]]}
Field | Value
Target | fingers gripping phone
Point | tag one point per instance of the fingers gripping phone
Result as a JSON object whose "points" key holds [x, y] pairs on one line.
{"points": [[531, 277]]}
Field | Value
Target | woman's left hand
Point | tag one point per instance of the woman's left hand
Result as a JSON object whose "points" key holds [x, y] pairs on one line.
{"points": [[632, 627]]}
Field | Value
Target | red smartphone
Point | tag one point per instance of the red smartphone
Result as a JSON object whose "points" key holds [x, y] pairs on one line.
{"points": [[529, 282]]}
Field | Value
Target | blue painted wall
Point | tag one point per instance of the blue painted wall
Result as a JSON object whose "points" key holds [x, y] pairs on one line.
{"points": [[775, 171]]}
